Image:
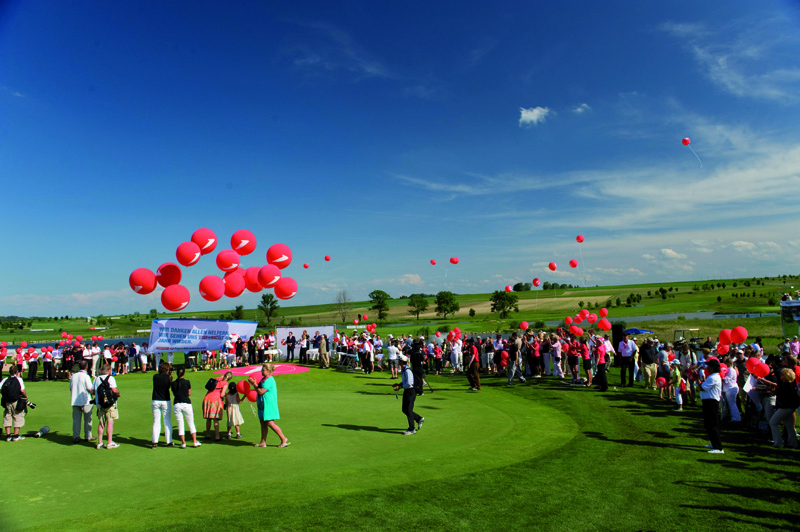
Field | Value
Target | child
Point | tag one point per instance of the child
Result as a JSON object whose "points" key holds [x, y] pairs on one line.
{"points": [[232, 401], [675, 382]]}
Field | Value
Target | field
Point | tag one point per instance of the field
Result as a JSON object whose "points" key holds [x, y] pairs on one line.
{"points": [[538, 456]]}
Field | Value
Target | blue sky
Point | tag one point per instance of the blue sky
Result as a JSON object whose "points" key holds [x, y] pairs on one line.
{"points": [[386, 135]]}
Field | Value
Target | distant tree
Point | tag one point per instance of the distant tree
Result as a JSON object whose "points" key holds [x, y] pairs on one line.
{"points": [[669, 289], [379, 300], [619, 302], [417, 303], [546, 285], [608, 302], [772, 302], [628, 300], [676, 288], [238, 312], [472, 313], [269, 306], [580, 304], [719, 298], [649, 293], [153, 313], [446, 304], [504, 303], [342, 304], [735, 285]]}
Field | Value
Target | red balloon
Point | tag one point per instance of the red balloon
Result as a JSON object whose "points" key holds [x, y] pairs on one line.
{"points": [[114, 359], [584, 313], [355, 322], [99, 338], [327, 258], [433, 262], [752, 362], [568, 320], [722, 349], [578, 330], [79, 338], [228, 260], [456, 330], [279, 255], [69, 337], [234, 284], [23, 344], [205, 239], [142, 281], [188, 253], [64, 334], [662, 382], [251, 279], [286, 288], [604, 324], [269, 275], [252, 396], [504, 355], [603, 312], [175, 297], [305, 265], [579, 238], [212, 288], [94, 338], [761, 370], [723, 370], [438, 333], [739, 334], [243, 387], [591, 318], [686, 141], [453, 260], [537, 281], [364, 317], [62, 342], [504, 362], [725, 336], [168, 274], [573, 263], [552, 266], [671, 357], [241, 271], [523, 325], [508, 288], [243, 242]]}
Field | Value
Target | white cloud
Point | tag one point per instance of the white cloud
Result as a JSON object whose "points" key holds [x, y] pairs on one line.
{"points": [[582, 108], [617, 272], [671, 254], [648, 256], [741, 245], [409, 279], [533, 116]]}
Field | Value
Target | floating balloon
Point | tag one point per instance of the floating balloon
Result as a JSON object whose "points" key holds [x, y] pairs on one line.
{"points": [[305, 265], [243, 387], [79, 338], [579, 238], [364, 316], [604, 324], [552, 266], [279, 255], [438, 334], [269, 275], [725, 336], [205, 239], [751, 364], [568, 320], [212, 288], [188, 253], [252, 396], [251, 279], [168, 274], [504, 355], [99, 338], [591, 318], [355, 322], [738, 334], [453, 260], [723, 370], [686, 141], [584, 313], [524, 325], [64, 334], [722, 349], [508, 288], [142, 281], [327, 258], [69, 337], [603, 312], [228, 260], [537, 281], [62, 343], [286, 288], [175, 297], [243, 242], [433, 262], [761, 370], [234, 284], [573, 263], [23, 344], [503, 362], [662, 382], [114, 359], [671, 357], [94, 338]]}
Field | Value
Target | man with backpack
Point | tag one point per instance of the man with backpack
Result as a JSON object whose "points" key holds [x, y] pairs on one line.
{"points": [[13, 393], [106, 395]]}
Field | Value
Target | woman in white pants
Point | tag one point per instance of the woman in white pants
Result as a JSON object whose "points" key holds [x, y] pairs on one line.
{"points": [[161, 404], [181, 391], [730, 389]]}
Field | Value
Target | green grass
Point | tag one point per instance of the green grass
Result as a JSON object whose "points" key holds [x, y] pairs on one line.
{"points": [[541, 456]]}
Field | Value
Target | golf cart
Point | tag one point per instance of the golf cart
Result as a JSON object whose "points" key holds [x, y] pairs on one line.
{"points": [[682, 336]]}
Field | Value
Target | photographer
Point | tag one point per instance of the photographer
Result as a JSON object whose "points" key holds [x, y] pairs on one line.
{"points": [[13, 395]]}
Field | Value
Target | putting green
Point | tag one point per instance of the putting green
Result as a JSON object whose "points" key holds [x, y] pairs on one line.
{"points": [[346, 437]]}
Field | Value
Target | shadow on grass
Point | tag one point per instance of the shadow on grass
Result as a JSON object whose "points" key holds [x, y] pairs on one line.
{"points": [[363, 427], [628, 441]]}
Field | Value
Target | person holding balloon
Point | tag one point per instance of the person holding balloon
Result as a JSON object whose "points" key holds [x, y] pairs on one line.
{"points": [[730, 387], [213, 404], [267, 402]]}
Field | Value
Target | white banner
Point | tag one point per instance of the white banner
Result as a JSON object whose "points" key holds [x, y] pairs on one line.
{"points": [[196, 335], [282, 333]]}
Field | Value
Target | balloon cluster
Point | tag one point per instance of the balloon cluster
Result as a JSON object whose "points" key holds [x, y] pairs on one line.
{"points": [[736, 335], [235, 280], [243, 387], [601, 321], [453, 260]]}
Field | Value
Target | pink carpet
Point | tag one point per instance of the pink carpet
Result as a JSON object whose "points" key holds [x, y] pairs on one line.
{"points": [[280, 369]]}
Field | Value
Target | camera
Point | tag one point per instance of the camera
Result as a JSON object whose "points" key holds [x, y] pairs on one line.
{"points": [[31, 405]]}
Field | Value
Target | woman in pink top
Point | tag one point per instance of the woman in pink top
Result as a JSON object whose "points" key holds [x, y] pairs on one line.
{"points": [[600, 353], [586, 355]]}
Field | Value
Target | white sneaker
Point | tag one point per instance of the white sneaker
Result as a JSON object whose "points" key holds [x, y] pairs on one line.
{"points": [[716, 451], [197, 444]]}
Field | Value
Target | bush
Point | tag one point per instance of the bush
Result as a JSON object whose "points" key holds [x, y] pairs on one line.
{"points": [[423, 331], [772, 302]]}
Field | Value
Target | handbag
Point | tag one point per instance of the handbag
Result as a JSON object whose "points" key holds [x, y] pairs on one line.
{"points": [[211, 385]]}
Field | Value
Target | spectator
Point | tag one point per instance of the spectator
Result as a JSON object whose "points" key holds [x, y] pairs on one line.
{"points": [[324, 360], [161, 405], [81, 389], [267, 404], [787, 401], [627, 351], [647, 363], [181, 391], [106, 415], [711, 394], [13, 393], [234, 414], [213, 405]]}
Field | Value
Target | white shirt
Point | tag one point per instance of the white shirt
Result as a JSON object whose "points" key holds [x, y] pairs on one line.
{"points": [[393, 351], [80, 385], [628, 348], [95, 351], [712, 387], [610, 347], [106, 353], [111, 382]]}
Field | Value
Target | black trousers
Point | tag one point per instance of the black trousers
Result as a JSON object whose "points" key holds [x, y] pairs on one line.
{"points": [[260, 356], [290, 354], [303, 355], [601, 379], [711, 422], [49, 372], [473, 375], [33, 368], [409, 397], [626, 363]]}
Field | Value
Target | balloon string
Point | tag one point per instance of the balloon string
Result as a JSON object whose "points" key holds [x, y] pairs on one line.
{"points": [[583, 272], [695, 154]]}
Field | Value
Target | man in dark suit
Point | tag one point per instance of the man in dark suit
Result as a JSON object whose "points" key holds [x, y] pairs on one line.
{"points": [[291, 341]]}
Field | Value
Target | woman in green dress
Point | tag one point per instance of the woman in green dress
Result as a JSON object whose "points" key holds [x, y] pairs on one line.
{"points": [[267, 403]]}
